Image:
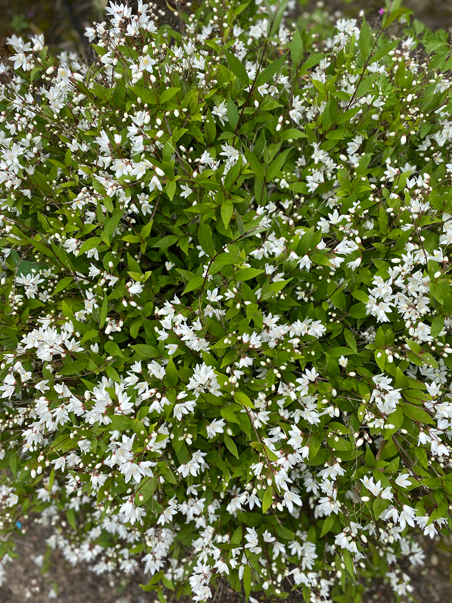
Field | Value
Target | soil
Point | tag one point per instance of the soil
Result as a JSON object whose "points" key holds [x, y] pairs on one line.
{"points": [[435, 14], [63, 22], [64, 583]]}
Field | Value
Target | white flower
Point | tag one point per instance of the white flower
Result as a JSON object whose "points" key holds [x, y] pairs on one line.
{"points": [[217, 426], [304, 263], [407, 516], [204, 380], [343, 361], [221, 111], [186, 190], [71, 245], [291, 498], [172, 348], [146, 63], [403, 481], [213, 296]]}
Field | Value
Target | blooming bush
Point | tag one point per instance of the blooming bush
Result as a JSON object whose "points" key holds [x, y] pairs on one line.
{"points": [[226, 318]]}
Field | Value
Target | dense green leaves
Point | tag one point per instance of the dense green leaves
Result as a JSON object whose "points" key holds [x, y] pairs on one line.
{"points": [[226, 319]]}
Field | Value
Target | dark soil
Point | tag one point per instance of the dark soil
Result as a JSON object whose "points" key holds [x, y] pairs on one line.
{"points": [[435, 14], [63, 21], [64, 583]]}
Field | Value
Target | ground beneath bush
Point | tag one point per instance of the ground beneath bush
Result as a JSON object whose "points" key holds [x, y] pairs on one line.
{"points": [[63, 21], [66, 584], [62, 583]]}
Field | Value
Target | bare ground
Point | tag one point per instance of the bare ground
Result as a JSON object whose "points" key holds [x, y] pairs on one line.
{"points": [[64, 583]]}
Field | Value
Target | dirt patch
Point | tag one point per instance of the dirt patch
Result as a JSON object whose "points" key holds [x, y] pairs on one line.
{"points": [[64, 583]]}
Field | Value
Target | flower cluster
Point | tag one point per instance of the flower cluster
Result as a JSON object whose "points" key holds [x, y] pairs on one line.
{"points": [[226, 318]]}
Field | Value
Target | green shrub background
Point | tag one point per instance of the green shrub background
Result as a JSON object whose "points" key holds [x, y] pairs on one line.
{"points": [[226, 314]]}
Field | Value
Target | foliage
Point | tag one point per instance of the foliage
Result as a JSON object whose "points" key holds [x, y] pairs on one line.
{"points": [[226, 310]]}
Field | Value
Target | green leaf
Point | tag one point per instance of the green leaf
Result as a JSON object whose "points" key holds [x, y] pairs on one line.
{"points": [[401, 382], [135, 327], [296, 48], [346, 556], [74, 366], [168, 94], [227, 210], [205, 239], [245, 274], [421, 455], [360, 295], [89, 244], [146, 230], [89, 335], [380, 338], [364, 41], [63, 284], [350, 339], [338, 299], [391, 16], [256, 165], [237, 67], [145, 350], [247, 581], [329, 113], [195, 283], [437, 326], [269, 72], [210, 128], [70, 516], [228, 414], [112, 223], [369, 457], [327, 525], [429, 359], [113, 374], [166, 241], [380, 505], [228, 547], [230, 445], [51, 480], [146, 490], [103, 312], [66, 309], [171, 375], [268, 499], [233, 114], [150, 586], [416, 413], [274, 169], [120, 422], [358, 311], [25, 267], [113, 349], [243, 399], [170, 189]]}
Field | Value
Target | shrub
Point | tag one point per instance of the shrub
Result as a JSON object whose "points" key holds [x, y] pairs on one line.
{"points": [[226, 307]]}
